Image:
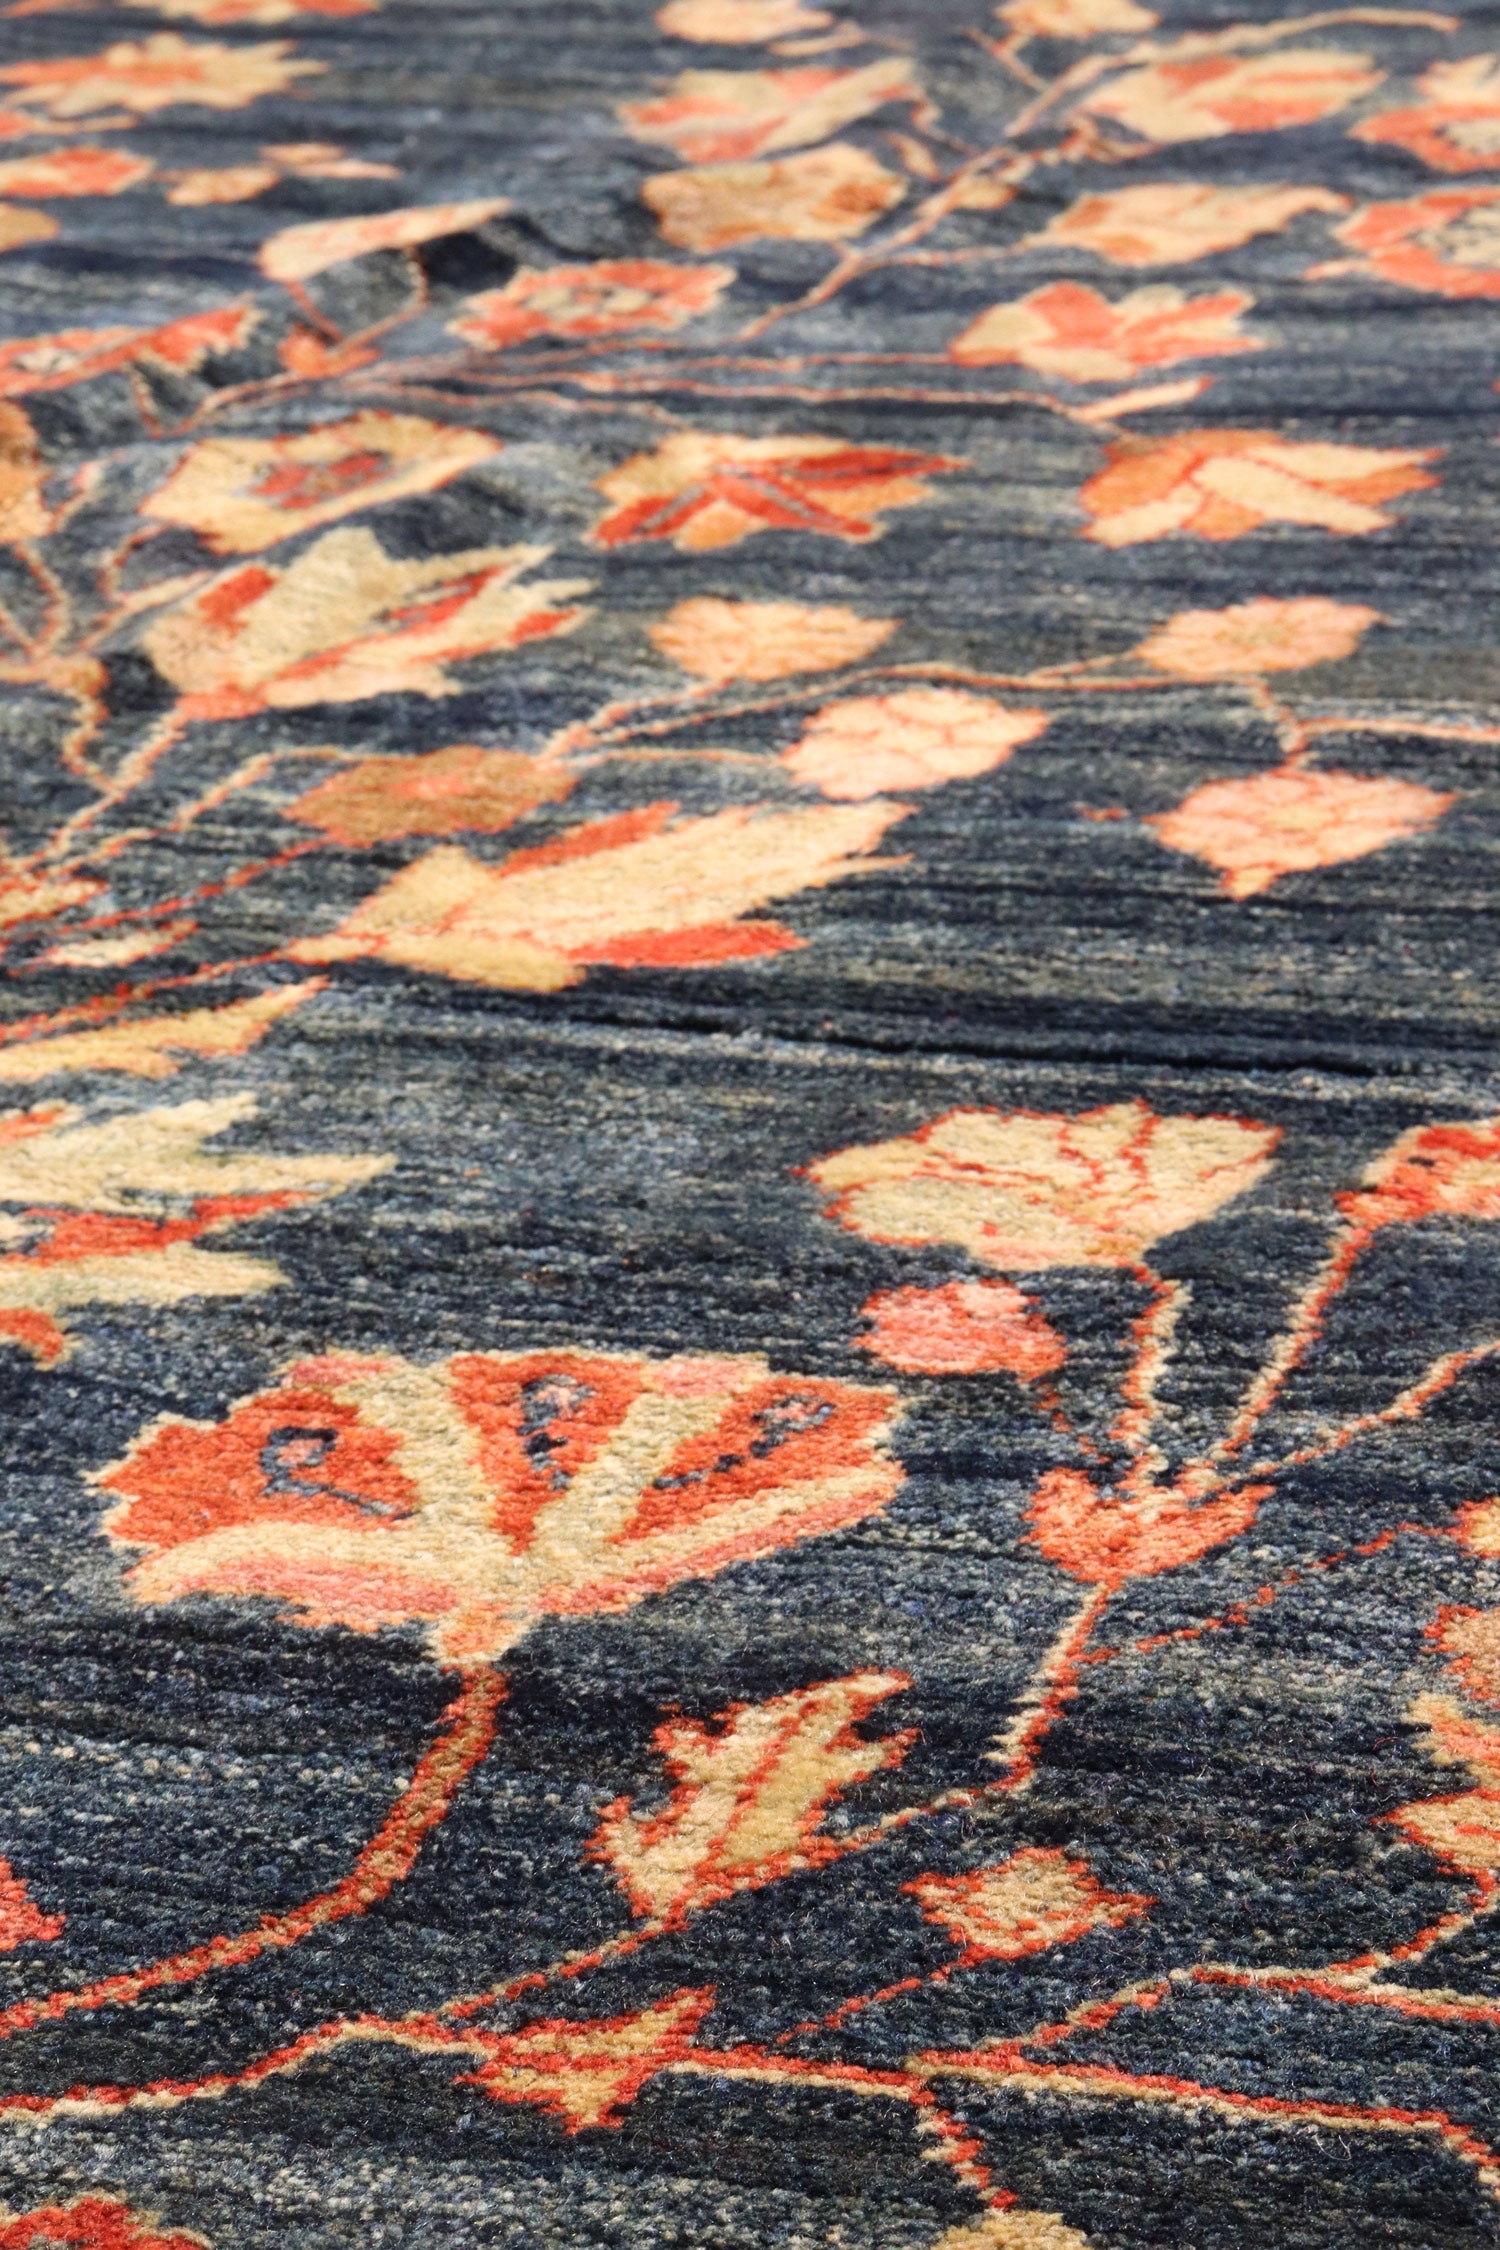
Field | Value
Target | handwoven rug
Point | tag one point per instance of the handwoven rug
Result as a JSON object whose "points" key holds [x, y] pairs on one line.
{"points": [[749, 1175]]}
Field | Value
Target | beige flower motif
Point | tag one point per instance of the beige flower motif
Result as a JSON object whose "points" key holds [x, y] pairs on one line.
{"points": [[1075, 19], [297, 253], [1209, 95], [345, 621], [628, 892], [914, 739], [1259, 636], [156, 73], [1022, 1190], [1028, 1903], [824, 195], [724, 640], [738, 23], [1172, 222], [1220, 484], [1071, 331], [722, 116], [1283, 823], [241, 494]]}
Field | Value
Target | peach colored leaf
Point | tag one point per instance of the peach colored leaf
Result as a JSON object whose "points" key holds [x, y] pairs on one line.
{"points": [[962, 1328], [728, 640], [1286, 822], [914, 739], [752, 1787], [587, 2072], [149, 1046], [1027, 1903]]}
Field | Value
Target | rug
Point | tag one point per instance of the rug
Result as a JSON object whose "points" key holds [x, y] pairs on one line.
{"points": [[749, 1151]]}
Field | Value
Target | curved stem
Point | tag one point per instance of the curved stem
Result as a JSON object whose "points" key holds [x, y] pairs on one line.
{"points": [[388, 1858]]}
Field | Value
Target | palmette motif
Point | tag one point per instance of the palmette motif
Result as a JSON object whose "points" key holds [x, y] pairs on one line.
{"points": [[414, 555]]}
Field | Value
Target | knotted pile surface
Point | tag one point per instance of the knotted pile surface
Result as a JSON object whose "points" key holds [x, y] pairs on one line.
{"points": [[749, 1155]]}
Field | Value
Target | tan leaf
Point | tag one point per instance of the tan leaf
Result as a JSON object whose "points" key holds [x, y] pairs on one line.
{"points": [[1171, 222], [725, 116], [630, 892], [1015, 2228], [1027, 1904], [913, 739], [751, 1791], [1023, 1190], [436, 793], [1201, 99], [738, 23], [297, 253], [723, 640], [18, 225], [146, 1048], [1287, 822], [1462, 1831], [825, 194], [1258, 636], [587, 2072]]}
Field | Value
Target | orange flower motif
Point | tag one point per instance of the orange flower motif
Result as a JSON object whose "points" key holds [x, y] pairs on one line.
{"points": [[1028, 1903], [74, 171], [1283, 823], [703, 492], [344, 621], [1220, 484], [94, 2222], [1106, 1538], [436, 794], [587, 2072], [1202, 98], [297, 253], [1447, 242], [49, 363], [738, 23], [722, 641], [719, 116], [962, 1328], [1023, 1190], [1071, 331], [240, 494], [629, 892], [750, 1793], [483, 1492], [1432, 1172], [1457, 126], [1259, 636], [824, 195], [1075, 19], [607, 299], [1171, 222], [914, 739], [155, 74]]}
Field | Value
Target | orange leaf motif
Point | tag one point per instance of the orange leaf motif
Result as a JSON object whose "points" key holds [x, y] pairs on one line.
{"points": [[587, 2072], [1434, 1171], [484, 1491], [1106, 1538], [607, 299], [822, 195], [1471, 1640], [627, 892], [1258, 636], [1211, 95], [437, 793], [1171, 222], [752, 1786], [1024, 1190], [720, 116], [94, 2222], [962, 1328], [1457, 126], [74, 171], [722, 640], [1447, 242], [703, 492], [1220, 484], [1026, 1904], [21, 1920], [1071, 331], [1283, 823], [161, 70], [914, 739], [1462, 1831]]}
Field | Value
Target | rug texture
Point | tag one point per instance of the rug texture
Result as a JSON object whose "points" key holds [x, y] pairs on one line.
{"points": [[749, 1174]]}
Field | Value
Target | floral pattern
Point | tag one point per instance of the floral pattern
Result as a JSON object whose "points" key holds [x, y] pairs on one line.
{"points": [[827, 1226]]}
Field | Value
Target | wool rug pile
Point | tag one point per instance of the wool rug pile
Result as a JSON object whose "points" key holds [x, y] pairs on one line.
{"points": [[749, 1146]]}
